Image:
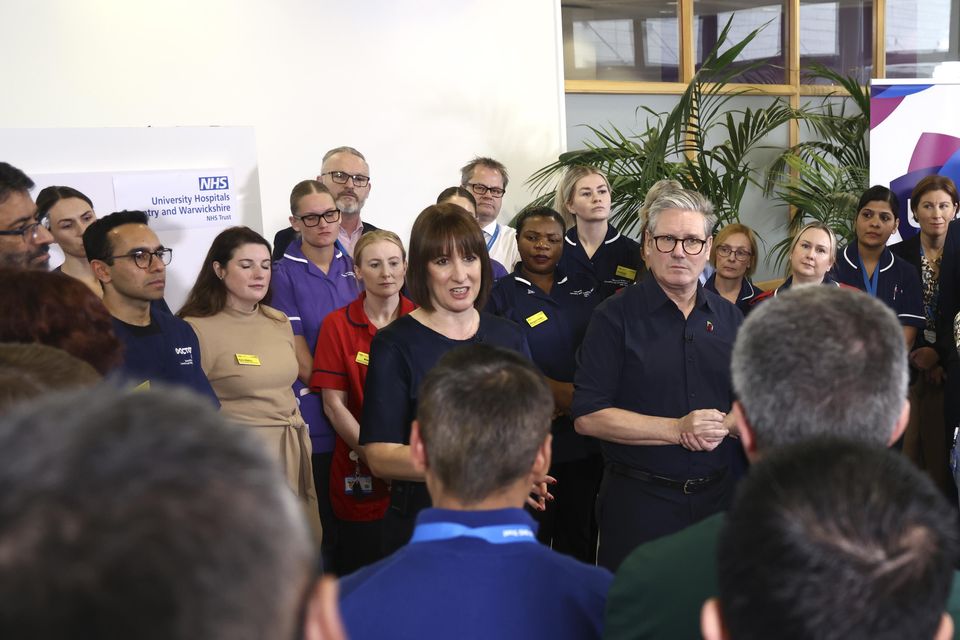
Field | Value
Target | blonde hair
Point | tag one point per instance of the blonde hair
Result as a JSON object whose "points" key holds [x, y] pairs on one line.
{"points": [[568, 183], [378, 235], [728, 231]]}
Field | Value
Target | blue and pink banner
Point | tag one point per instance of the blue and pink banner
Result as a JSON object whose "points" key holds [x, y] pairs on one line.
{"points": [[914, 132]]}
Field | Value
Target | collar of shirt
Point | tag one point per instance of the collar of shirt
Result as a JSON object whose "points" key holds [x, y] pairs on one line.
{"points": [[489, 230], [851, 255], [747, 290], [657, 297], [477, 518], [349, 240], [294, 253], [357, 315], [573, 238]]}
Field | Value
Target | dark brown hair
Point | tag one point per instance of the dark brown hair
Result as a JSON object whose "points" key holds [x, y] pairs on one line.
{"points": [[439, 230], [59, 311], [933, 183], [208, 296]]}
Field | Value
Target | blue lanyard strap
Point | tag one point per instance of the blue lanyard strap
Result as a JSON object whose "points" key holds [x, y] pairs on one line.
{"points": [[870, 283], [496, 534], [493, 238]]}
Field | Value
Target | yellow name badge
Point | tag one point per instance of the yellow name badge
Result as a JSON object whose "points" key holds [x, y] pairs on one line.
{"points": [[143, 386], [626, 272], [538, 318], [247, 359], [363, 358]]}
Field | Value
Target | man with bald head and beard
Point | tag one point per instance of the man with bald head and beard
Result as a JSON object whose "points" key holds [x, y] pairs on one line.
{"points": [[24, 240]]}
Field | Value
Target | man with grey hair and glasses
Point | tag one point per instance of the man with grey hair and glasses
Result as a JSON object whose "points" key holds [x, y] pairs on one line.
{"points": [[487, 180], [653, 385], [24, 240], [344, 171], [815, 361]]}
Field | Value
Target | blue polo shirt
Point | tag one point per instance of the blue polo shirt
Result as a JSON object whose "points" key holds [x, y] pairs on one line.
{"points": [[616, 263], [469, 588], [306, 294], [642, 355], [898, 283], [165, 351], [748, 292], [554, 324]]}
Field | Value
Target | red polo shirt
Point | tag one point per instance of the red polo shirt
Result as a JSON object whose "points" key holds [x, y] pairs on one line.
{"points": [[340, 362]]}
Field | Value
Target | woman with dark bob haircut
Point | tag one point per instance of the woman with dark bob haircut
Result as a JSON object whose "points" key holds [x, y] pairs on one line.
{"points": [[449, 277], [59, 311], [247, 353]]}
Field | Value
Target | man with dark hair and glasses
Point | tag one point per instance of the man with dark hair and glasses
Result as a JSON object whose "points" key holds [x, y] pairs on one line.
{"points": [[346, 174], [653, 384], [131, 264], [487, 180], [24, 240]]}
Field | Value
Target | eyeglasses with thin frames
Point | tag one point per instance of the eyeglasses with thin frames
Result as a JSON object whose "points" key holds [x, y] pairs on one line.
{"points": [[691, 246], [741, 255], [313, 219], [341, 177], [143, 258]]}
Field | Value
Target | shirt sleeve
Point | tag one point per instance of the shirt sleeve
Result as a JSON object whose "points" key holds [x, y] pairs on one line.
{"points": [[283, 298], [197, 379], [329, 361], [388, 395], [599, 362]]}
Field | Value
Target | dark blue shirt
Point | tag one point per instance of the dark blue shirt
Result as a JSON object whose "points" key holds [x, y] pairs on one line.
{"points": [[616, 263], [748, 292], [554, 324], [640, 354], [469, 588], [898, 284], [165, 351], [401, 354]]}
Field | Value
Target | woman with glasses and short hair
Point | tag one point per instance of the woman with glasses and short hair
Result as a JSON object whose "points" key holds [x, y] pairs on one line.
{"points": [[593, 245], [734, 256], [247, 353], [314, 277]]}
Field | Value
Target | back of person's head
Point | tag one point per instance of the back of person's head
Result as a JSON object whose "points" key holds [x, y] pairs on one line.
{"points": [[820, 360], [144, 515], [96, 238], [12, 180], [28, 371], [835, 539], [483, 414], [60, 311]]}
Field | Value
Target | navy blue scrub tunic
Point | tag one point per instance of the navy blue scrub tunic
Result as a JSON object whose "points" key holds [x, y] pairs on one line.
{"points": [[617, 262], [748, 292], [898, 284]]}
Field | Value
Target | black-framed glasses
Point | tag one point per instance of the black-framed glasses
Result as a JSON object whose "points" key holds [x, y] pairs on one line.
{"points": [[741, 255], [481, 189], [691, 246], [143, 258], [313, 219], [341, 177], [28, 231]]}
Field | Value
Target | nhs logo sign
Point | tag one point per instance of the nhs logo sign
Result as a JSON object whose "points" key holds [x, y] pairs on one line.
{"points": [[214, 183]]}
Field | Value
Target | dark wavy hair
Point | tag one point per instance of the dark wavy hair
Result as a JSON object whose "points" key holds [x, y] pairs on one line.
{"points": [[59, 311], [208, 296], [50, 196]]}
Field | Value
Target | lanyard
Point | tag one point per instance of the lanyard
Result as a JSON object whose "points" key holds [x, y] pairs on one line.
{"points": [[870, 283], [493, 238], [495, 534]]}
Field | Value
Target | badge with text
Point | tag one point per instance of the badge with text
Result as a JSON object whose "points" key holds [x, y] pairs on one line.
{"points": [[363, 358], [247, 359], [538, 318], [626, 272]]}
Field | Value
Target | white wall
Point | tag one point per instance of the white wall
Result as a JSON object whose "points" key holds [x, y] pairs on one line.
{"points": [[419, 87]]}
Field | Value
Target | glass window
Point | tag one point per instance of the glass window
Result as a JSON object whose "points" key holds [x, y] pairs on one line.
{"points": [[918, 42], [838, 35], [769, 47], [620, 40]]}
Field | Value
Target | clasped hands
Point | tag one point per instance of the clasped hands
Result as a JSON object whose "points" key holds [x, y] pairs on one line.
{"points": [[704, 429]]}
